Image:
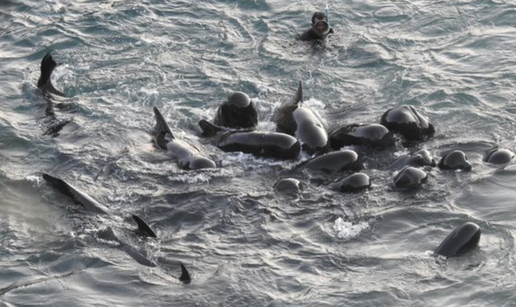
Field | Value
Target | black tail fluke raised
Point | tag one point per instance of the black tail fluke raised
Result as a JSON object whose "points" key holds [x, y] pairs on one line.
{"points": [[209, 129], [143, 228], [185, 276], [47, 68]]}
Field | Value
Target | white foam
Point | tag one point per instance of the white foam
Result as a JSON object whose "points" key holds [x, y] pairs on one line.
{"points": [[347, 231]]}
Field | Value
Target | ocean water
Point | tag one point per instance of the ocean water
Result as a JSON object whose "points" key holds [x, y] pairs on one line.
{"points": [[243, 244]]}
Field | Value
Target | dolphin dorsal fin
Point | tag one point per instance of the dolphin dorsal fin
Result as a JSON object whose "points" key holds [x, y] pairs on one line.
{"points": [[161, 124], [298, 98], [209, 129], [185, 276], [47, 68], [143, 228]]}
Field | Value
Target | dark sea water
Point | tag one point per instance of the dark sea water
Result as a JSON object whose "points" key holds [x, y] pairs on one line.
{"points": [[243, 244]]}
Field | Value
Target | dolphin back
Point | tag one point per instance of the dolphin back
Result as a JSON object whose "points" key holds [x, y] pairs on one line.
{"points": [[77, 196]]}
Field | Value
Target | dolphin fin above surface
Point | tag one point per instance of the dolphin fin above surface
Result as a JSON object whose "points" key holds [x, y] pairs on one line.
{"points": [[298, 98], [143, 228], [162, 130], [209, 129], [462, 239], [185, 276], [47, 68]]}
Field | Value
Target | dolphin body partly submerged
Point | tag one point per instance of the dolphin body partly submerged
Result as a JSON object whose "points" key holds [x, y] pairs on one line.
{"points": [[301, 122], [47, 89], [90, 204], [188, 157]]}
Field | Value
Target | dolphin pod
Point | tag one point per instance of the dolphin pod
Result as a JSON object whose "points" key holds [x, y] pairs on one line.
{"points": [[91, 205], [298, 128]]}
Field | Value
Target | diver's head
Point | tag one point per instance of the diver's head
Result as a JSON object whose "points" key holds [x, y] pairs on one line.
{"points": [[320, 24]]}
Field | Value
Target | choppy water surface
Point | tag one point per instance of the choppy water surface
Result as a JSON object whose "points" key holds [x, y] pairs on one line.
{"points": [[244, 245]]}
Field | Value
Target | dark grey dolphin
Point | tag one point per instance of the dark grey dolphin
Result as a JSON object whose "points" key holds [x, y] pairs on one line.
{"points": [[353, 183], [410, 177], [334, 162], [76, 195], [407, 121], [373, 135], [421, 157], [455, 160], [288, 186], [45, 86], [47, 68], [237, 112], [187, 156], [108, 234], [459, 241], [499, 156], [297, 120], [261, 144]]}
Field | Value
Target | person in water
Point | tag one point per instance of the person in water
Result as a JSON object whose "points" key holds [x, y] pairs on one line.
{"points": [[320, 28]]}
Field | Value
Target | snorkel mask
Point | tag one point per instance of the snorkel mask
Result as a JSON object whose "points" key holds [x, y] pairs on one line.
{"points": [[320, 24]]}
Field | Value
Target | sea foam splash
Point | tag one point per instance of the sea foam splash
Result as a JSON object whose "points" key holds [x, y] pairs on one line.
{"points": [[347, 231]]}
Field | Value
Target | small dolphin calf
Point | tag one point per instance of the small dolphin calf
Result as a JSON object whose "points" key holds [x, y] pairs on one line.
{"points": [[461, 240], [187, 156]]}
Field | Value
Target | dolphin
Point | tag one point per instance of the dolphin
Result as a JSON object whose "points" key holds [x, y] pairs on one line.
{"points": [[46, 87], [459, 241], [188, 157], [301, 122]]}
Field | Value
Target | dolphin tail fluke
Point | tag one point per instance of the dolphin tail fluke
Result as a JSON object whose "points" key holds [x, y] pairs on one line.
{"points": [[298, 98], [143, 228], [161, 129], [209, 129], [185, 276]]}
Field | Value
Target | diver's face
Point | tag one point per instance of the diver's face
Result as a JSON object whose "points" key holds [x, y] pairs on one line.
{"points": [[321, 27]]}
